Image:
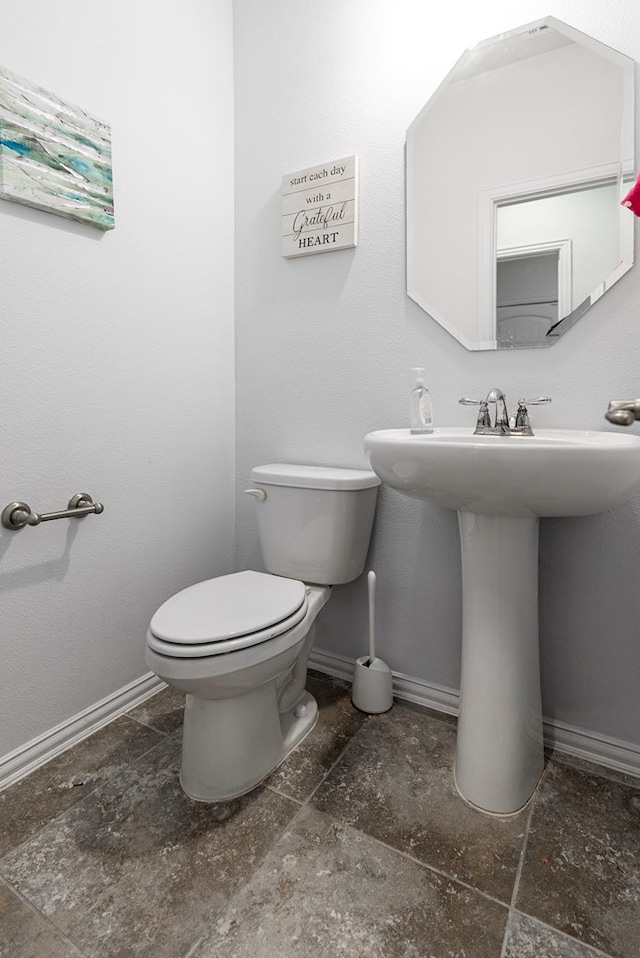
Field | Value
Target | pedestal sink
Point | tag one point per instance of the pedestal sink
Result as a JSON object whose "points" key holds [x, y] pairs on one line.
{"points": [[500, 486]]}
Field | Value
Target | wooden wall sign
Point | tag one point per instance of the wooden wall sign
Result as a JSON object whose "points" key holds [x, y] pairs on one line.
{"points": [[320, 208]]}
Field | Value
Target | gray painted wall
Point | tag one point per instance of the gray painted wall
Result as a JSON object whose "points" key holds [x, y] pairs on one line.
{"points": [[325, 343], [324, 346], [116, 362]]}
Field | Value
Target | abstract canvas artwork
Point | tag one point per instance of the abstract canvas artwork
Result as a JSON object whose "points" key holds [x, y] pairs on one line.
{"points": [[54, 156]]}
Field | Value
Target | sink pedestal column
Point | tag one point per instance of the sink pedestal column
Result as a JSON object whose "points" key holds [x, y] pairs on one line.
{"points": [[499, 756]]}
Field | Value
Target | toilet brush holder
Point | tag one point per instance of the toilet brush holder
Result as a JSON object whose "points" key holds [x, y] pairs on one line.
{"points": [[372, 689]]}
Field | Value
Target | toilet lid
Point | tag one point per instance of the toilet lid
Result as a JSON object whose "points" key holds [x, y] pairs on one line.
{"points": [[229, 607]]}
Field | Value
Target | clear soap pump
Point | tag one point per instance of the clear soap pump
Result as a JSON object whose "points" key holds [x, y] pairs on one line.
{"points": [[420, 410]]}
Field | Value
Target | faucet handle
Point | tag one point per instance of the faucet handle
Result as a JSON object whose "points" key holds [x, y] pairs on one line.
{"points": [[484, 419], [522, 422], [534, 402]]}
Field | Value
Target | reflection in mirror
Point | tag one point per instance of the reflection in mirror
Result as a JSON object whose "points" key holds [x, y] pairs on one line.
{"points": [[516, 168], [526, 295]]}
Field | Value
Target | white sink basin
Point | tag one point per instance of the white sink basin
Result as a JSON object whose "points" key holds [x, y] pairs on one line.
{"points": [[500, 486], [557, 472]]}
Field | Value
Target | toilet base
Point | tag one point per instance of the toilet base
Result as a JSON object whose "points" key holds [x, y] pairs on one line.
{"points": [[231, 745]]}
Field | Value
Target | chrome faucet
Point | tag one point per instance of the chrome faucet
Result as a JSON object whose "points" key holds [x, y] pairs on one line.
{"points": [[519, 425], [501, 421]]}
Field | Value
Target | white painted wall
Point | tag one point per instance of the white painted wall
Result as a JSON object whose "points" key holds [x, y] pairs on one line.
{"points": [[116, 356], [325, 342], [116, 359]]}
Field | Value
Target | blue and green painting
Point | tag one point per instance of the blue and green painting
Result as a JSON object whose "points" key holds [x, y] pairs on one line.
{"points": [[54, 156]]}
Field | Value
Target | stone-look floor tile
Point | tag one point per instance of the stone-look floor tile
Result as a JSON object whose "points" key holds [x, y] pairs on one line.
{"points": [[139, 869], [338, 721], [33, 801], [394, 781], [581, 872], [591, 768], [164, 711], [326, 890], [527, 938], [26, 934]]}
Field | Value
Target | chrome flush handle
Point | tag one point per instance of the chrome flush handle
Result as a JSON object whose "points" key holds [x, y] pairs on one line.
{"points": [[259, 494]]}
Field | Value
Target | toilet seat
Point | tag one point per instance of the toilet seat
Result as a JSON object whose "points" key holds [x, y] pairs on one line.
{"points": [[227, 613]]}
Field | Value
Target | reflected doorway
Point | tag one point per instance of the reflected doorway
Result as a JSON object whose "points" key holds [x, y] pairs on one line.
{"points": [[526, 298]]}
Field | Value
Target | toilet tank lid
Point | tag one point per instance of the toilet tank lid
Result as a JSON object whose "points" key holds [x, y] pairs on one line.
{"points": [[314, 477]]}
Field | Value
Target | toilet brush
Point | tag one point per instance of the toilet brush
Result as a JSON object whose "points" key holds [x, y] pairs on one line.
{"points": [[372, 689]]}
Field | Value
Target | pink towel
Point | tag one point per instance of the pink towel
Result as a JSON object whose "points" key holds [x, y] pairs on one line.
{"points": [[632, 199]]}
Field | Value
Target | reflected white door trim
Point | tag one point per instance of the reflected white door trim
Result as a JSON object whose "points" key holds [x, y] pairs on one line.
{"points": [[563, 248], [489, 202]]}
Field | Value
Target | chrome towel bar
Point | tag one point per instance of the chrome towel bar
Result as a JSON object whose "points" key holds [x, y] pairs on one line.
{"points": [[17, 515]]}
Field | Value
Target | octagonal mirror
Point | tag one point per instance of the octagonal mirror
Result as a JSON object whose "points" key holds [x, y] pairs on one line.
{"points": [[516, 168]]}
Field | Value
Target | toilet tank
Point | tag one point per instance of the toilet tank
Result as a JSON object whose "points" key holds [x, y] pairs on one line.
{"points": [[315, 522]]}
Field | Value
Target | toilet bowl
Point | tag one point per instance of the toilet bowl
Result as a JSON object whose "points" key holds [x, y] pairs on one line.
{"points": [[238, 645]]}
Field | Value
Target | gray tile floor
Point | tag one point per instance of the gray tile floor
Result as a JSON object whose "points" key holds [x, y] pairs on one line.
{"points": [[358, 846]]}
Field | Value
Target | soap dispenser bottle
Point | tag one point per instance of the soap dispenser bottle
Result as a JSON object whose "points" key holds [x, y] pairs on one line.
{"points": [[420, 410]]}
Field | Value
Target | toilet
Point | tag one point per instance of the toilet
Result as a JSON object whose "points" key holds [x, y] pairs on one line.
{"points": [[238, 645]]}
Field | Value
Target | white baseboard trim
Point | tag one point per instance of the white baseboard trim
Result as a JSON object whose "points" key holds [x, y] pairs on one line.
{"points": [[592, 747], [581, 743], [35, 753]]}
